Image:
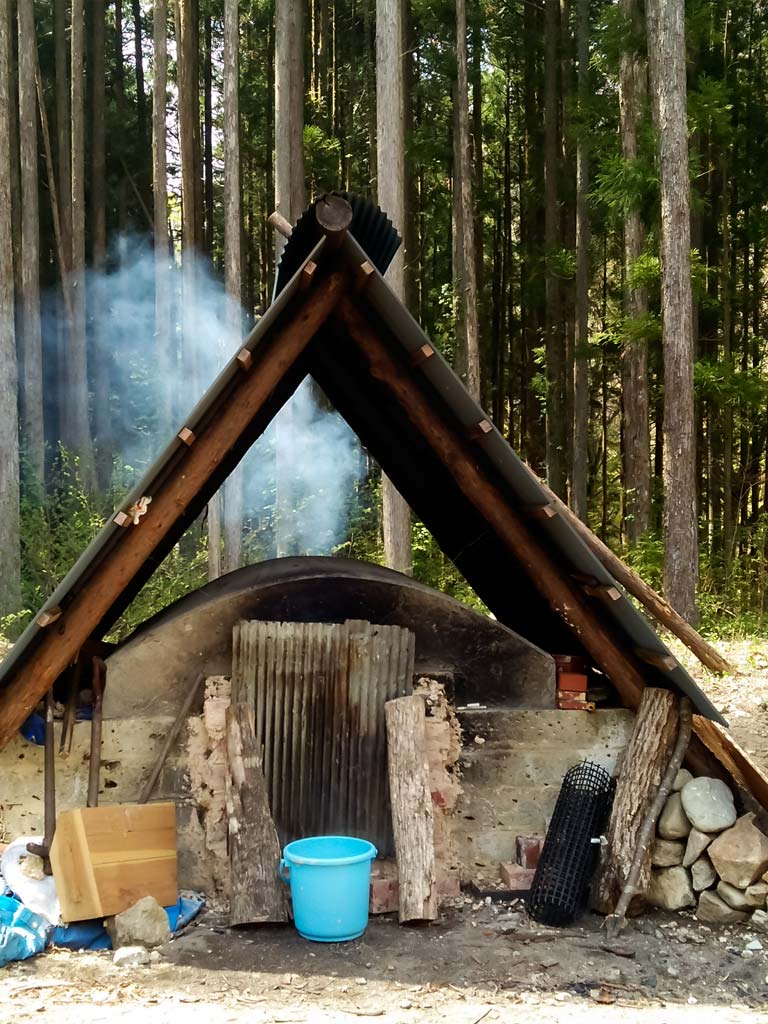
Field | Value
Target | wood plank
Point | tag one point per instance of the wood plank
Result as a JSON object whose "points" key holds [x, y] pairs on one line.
{"points": [[95, 858], [642, 770], [411, 799], [257, 896], [57, 649], [742, 769], [564, 597]]}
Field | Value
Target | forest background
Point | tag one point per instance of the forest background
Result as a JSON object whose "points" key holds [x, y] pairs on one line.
{"points": [[582, 194]]}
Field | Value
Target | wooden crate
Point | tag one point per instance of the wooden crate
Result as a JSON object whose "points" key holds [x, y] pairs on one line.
{"points": [[104, 859]]}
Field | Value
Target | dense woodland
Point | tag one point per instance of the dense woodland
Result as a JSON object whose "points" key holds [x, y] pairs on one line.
{"points": [[593, 266]]}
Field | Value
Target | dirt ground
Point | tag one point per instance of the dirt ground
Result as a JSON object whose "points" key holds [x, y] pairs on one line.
{"points": [[480, 962]]}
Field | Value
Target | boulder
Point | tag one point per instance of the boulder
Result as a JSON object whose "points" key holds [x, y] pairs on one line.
{"points": [[131, 956], [738, 898], [759, 921], [697, 844], [708, 804], [667, 853], [702, 874], [673, 823], [713, 910], [143, 924], [671, 889], [682, 778], [740, 854], [758, 893]]}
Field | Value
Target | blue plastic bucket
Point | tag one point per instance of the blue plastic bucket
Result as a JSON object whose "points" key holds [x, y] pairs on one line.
{"points": [[330, 879]]}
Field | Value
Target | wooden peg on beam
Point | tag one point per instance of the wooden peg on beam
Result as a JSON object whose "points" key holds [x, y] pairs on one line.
{"points": [[540, 511], [48, 616], [478, 430], [421, 355], [663, 662], [186, 436], [307, 274], [280, 224], [363, 276], [603, 591], [121, 519], [244, 359]]}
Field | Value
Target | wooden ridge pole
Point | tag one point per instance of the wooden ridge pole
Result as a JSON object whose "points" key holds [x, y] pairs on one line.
{"points": [[60, 644]]}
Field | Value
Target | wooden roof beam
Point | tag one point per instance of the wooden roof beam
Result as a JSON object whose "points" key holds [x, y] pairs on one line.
{"points": [[61, 642]]}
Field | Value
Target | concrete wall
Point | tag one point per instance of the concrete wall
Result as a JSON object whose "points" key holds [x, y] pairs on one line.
{"points": [[512, 764], [510, 781]]}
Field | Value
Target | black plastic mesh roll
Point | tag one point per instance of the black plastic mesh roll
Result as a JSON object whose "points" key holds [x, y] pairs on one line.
{"points": [[568, 859]]}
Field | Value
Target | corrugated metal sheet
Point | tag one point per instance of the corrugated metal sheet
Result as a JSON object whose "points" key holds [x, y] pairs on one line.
{"points": [[318, 690]]}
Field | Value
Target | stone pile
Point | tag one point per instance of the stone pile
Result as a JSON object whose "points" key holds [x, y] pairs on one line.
{"points": [[707, 857]]}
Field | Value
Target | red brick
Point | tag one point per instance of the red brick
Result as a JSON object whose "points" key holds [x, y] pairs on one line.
{"points": [[516, 878], [528, 850], [575, 705], [572, 681], [385, 896]]}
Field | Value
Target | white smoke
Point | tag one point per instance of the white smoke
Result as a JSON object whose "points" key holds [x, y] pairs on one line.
{"points": [[322, 461]]}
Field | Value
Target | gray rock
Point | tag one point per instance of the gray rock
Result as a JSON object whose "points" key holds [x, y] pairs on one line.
{"points": [[697, 844], [682, 778], [708, 804], [740, 854], [759, 921], [673, 823], [667, 853], [702, 874], [143, 924], [131, 956], [713, 910], [758, 893], [738, 898], [671, 889]]}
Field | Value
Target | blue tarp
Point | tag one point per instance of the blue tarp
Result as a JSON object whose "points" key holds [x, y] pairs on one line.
{"points": [[23, 933]]}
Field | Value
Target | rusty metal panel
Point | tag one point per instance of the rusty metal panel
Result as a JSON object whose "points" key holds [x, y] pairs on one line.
{"points": [[318, 691]]}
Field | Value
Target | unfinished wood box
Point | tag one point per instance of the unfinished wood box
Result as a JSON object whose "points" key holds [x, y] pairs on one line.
{"points": [[104, 859]]}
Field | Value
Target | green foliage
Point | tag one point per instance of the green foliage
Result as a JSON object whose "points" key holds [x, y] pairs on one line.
{"points": [[624, 185]]}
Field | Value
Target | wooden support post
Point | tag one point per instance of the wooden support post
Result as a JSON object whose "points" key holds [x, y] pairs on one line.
{"points": [[258, 896], [563, 596], [642, 770], [278, 352], [411, 799]]}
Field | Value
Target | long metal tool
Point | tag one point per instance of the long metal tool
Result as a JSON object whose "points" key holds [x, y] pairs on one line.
{"points": [[44, 849], [173, 732], [98, 683]]}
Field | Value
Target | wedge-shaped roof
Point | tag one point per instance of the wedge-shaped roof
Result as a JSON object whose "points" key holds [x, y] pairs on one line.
{"points": [[336, 319]]}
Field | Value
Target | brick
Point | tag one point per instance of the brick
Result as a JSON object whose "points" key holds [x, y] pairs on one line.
{"points": [[385, 896], [571, 695], [575, 705], [528, 850], [572, 681], [516, 878]]}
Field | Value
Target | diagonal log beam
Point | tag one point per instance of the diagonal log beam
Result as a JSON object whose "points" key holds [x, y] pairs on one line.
{"points": [[455, 453], [60, 644]]}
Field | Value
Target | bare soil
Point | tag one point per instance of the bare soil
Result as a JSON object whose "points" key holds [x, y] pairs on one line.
{"points": [[481, 962]]}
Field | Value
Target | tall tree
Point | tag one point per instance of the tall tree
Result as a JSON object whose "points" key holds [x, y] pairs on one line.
{"points": [[160, 211], [466, 279], [102, 385], [10, 561], [76, 429], [634, 373], [557, 474], [233, 491], [666, 51], [583, 238], [31, 339], [290, 199], [390, 177]]}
